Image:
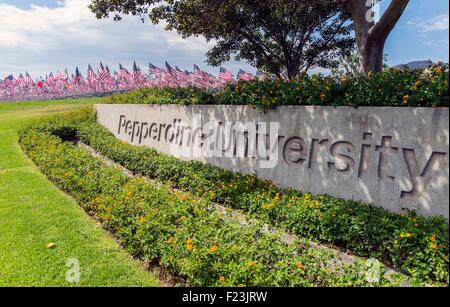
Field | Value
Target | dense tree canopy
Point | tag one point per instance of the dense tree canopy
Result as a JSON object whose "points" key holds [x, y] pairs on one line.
{"points": [[282, 37]]}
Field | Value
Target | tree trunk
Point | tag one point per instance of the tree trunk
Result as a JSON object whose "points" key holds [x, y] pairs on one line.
{"points": [[292, 68], [370, 56], [292, 71], [371, 36]]}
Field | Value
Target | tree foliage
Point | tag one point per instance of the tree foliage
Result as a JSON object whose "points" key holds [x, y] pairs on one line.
{"points": [[281, 37]]}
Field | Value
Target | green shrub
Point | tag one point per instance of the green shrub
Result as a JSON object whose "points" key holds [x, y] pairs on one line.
{"points": [[394, 87], [183, 232], [154, 95]]}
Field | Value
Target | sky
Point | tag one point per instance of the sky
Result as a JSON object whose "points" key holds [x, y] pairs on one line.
{"points": [[43, 36]]}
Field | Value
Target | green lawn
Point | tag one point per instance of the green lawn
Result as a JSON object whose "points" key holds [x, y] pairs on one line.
{"points": [[33, 214]]}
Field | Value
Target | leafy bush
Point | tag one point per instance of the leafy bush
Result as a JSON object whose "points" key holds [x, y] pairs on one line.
{"points": [[154, 95], [417, 245], [394, 87], [183, 232]]}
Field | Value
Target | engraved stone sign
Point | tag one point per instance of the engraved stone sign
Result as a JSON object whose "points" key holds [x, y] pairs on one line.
{"points": [[396, 158]]}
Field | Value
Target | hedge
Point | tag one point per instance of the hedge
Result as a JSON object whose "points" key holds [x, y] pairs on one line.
{"points": [[181, 231], [394, 87], [417, 245]]}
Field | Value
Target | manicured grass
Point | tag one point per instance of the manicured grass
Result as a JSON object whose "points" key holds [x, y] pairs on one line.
{"points": [[33, 213]]}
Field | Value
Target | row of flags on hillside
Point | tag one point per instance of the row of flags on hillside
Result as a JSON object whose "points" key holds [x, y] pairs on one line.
{"points": [[104, 81]]}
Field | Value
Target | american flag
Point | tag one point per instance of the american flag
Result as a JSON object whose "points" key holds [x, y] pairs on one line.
{"points": [[57, 86], [170, 70], [225, 75], [171, 76], [78, 77], [28, 80], [201, 78], [197, 71], [7, 81], [182, 77], [244, 76], [19, 81], [103, 74], [123, 73], [91, 77], [137, 74], [49, 80], [59, 76], [65, 76], [152, 69]]}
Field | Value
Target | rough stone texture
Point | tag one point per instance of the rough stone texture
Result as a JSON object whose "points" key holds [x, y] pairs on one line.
{"points": [[396, 158]]}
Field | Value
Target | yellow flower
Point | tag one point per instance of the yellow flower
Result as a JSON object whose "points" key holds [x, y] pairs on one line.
{"points": [[405, 235], [213, 249], [142, 220], [437, 70], [433, 245], [170, 240], [432, 238], [189, 247], [221, 278], [183, 218], [189, 242], [251, 264], [405, 99], [299, 265], [51, 245]]}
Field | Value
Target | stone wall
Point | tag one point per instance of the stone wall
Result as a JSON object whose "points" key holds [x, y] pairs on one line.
{"points": [[393, 157]]}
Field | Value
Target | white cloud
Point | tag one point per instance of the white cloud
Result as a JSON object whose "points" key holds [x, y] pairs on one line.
{"points": [[437, 23], [440, 43], [42, 39]]}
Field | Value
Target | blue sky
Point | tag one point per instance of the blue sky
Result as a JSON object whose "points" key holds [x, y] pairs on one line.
{"points": [[422, 33], [47, 35]]}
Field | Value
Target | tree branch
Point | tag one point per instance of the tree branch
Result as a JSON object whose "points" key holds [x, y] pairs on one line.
{"points": [[389, 19]]}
